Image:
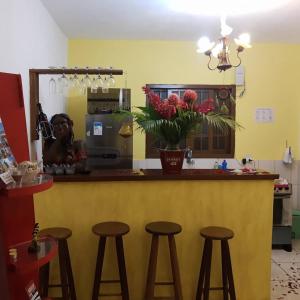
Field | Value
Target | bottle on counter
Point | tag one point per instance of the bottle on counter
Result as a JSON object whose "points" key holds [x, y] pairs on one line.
{"points": [[216, 165], [224, 165]]}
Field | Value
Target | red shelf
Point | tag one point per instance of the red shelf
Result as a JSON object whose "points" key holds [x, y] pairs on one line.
{"points": [[27, 262], [41, 183]]}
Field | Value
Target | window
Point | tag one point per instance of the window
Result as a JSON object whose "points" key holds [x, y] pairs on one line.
{"points": [[209, 142]]}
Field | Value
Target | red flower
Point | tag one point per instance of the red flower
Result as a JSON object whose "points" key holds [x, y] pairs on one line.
{"points": [[146, 90], [189, 96], [205, 107], [182, 105], [166, 110], [154, 99], [173, 99]]}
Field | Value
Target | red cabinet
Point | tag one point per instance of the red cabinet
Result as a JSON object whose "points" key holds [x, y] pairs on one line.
{"points": [[16, 203]]}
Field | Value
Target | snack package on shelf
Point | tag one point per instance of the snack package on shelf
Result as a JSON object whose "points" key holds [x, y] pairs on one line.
{"points": [[26, 171]]}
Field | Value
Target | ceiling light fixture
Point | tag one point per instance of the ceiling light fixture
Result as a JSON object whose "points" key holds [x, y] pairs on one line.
{"points": [[220, 50]]}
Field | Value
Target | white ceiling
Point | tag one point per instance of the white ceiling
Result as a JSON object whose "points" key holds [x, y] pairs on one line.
{"points": [[152, 19]]}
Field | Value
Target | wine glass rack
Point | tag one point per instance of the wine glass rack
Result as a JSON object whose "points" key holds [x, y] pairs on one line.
{"points": [[34, 75]]}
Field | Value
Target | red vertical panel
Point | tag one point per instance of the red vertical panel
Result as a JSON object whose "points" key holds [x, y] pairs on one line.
{"points": [[16, 214], [12, 114]]}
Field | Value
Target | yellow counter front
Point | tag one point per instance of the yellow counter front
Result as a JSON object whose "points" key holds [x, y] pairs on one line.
{"points": [[194, 201]]}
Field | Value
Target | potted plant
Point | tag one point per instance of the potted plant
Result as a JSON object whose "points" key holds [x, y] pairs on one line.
{"points": [[172, 119]]}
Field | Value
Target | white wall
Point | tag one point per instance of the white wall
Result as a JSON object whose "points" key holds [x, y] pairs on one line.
{"points": [[29, 38]]}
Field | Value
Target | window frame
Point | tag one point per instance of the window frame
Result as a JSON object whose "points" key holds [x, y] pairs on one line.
{"points": [[150, 152]]}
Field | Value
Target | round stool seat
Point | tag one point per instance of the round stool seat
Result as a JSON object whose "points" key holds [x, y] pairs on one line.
{"points": [[58, 233], [163, 228], [216, 233], [110, 229]]}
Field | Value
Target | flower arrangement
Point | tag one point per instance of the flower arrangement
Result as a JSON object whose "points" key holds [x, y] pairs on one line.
{"points": [[172, 119]]}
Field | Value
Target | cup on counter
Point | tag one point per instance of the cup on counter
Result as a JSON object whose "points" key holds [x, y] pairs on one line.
{"points": [[70, 169]]}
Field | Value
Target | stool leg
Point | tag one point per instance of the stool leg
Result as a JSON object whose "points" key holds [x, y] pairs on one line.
{"points": [[224, 271], [207, 270], [175, 268], [63, 270], [149, 295], [99, 265], [69, 271], [202, 271], [229, 270], [122, 268], [44, 279]]}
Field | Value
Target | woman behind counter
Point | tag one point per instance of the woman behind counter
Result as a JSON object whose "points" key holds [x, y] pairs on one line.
{"points": [[62, 149]]}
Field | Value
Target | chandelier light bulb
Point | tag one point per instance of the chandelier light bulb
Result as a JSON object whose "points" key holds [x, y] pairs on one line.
{"points": [[217, 49], [225, 29], [204, 44], [243, 40]]}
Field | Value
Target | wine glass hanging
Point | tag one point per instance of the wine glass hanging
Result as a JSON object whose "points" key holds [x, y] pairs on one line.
{"points": [[81, 82]]}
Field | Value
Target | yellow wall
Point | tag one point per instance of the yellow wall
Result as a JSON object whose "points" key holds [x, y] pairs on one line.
{"points": [[271, 81]]}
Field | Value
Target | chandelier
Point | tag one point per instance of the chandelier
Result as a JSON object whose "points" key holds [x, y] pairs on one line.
{"points": [[220, 50]]}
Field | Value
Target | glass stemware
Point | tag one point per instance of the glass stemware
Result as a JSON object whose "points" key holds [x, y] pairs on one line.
{"points": [[94, 85], [99, 79], [62, 82], [52, 86], [111, 81], [76, 81], [105, 86]]}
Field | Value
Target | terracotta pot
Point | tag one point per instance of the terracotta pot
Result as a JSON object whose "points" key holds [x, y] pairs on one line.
{"points": [[171, 160]]}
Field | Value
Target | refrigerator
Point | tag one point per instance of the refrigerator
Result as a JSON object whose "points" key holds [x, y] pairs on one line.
{"points": [[109, 141]]}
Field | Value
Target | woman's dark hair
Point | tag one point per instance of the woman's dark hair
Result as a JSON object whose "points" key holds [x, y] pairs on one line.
{"points": [[70, 125]]}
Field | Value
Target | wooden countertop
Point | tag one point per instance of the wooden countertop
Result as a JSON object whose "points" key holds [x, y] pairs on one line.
{"points": [[157, 174]]}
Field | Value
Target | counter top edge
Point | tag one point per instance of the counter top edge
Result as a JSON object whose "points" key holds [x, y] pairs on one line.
{"points": [[156, 174]]}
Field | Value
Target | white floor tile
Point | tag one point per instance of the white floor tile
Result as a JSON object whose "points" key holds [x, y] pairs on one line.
{"points": [[292, 270], [285, 290], [285, 281], [281, 256], [278, 273]]}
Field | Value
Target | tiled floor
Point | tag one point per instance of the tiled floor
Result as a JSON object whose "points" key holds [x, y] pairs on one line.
{"points": [[285, 282]]}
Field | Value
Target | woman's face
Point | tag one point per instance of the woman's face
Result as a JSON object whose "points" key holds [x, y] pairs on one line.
{"points": [[61, 127]]}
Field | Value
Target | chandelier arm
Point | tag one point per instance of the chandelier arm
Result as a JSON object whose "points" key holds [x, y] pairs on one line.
{"points": [[208, 64], [240, 61]]}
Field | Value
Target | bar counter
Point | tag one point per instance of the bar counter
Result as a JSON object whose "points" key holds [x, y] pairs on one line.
{"points": [[194, 199], [157, 174]]}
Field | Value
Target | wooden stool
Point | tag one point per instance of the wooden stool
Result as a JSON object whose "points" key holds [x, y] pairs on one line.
{"points": [[115, 230], [166, 229], [210, 234], [66, 275]]}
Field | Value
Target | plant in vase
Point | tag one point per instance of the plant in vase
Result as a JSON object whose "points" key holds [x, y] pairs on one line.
{"points": [[172, 119]]}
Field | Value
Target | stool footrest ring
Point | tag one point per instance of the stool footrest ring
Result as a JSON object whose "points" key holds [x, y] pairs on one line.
{"points": [[218, 288], [164, 283], [110, 281], [110, 295]]}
